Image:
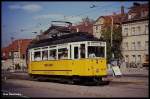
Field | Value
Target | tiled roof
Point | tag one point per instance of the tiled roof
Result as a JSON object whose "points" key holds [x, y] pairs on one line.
{"points": [[137, 12], [117, 18], [14, 46], [6, 51], [84, 27]]}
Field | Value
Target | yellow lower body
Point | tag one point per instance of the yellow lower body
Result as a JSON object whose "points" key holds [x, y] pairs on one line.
{"points": [[82, 67]]}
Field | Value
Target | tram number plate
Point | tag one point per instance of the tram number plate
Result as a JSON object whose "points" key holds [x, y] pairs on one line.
{"points": [[47, 65]]}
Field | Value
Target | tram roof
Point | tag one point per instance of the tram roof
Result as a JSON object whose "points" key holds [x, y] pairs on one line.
{"points": [[72, 37]]}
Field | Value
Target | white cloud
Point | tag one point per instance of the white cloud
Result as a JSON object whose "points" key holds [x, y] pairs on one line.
{"points": [[27, 7], [32, 8]]}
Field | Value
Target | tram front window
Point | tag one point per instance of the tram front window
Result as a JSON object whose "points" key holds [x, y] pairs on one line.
{"points": [[37, 56], [96, 51]]}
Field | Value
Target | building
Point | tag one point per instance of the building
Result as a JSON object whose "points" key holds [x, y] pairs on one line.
{"points": [[14, 54], [135, 34], [105, 22], [85, 26]]}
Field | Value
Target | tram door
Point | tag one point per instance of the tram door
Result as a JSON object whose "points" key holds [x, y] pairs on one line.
{"points": [[75, 51]]}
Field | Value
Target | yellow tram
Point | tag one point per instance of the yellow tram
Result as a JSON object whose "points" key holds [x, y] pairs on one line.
{"points": [[76, 55]]}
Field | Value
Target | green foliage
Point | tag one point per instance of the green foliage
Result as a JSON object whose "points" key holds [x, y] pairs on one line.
{"points": [[116, 42]]}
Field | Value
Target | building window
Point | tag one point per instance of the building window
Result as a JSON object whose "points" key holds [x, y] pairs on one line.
{"points": [[127, 58], [133, 45], [23, 56], [126, 32], [146, 29], [134, 58], [138, 45], [138, 30], [96, 28], [16, 54], [10, 54], [146, 45], [139, 59], [126, 46], [144, 13], [146, 58], [133, 30]]}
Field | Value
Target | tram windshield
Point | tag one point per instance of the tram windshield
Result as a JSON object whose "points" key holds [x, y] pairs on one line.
{"points": [[96, 51]]}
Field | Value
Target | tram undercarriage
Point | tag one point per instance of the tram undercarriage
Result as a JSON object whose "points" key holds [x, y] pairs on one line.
{"points": [[79, 80]]}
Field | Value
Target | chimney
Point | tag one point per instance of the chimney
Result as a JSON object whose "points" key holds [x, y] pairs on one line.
{"points": [[77, 29], [122, 10]]}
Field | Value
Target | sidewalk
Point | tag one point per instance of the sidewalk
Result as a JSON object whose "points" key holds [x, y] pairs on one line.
{"points": [[131, 72], [136, 75], [128, 79]]}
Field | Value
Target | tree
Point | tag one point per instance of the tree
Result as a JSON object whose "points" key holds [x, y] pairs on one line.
{"points": [[87, 19], [116, 42]]}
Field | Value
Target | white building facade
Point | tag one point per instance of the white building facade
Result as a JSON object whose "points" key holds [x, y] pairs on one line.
{"points": [[97, 27], [135, 46], [135, 35]]}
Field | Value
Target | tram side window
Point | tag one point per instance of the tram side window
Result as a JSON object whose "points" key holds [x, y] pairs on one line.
{"points": [[82, 53], [37, 56], [52, 54], [95, 51], [45, 55], [63, 53]]}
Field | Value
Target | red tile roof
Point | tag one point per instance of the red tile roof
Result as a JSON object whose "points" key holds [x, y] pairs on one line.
{"points": [[117, 19], [138, 12], [84, 27], [14, 46]]}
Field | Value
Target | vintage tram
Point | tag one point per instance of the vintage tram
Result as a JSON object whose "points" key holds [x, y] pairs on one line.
{"points": [[75, 56]]}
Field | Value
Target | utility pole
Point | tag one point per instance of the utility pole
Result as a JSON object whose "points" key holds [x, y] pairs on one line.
{"points": [[19, 53], [12, 54], [111, 35]]}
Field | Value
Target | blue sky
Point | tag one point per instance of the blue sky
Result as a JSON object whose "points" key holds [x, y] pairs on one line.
{"points": [[20, 19]]}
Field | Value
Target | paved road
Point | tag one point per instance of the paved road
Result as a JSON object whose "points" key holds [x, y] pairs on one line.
{"points": [[118, 87]]}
